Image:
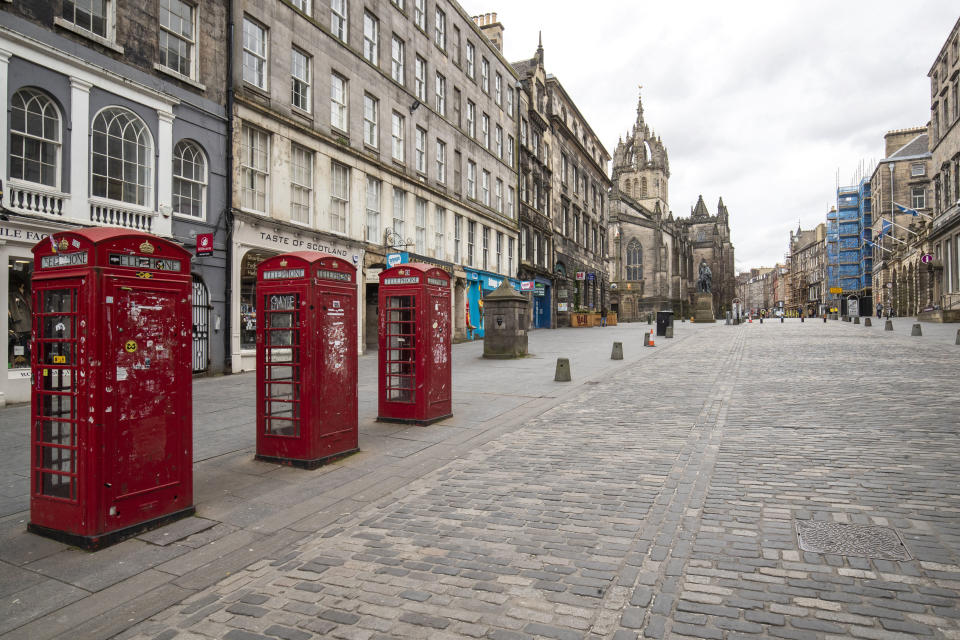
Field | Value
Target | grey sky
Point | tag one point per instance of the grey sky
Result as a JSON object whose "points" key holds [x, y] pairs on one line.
{"points": [[759, 102]]}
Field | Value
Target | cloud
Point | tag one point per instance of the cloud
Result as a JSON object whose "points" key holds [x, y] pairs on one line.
{"points": [[762, 103]]}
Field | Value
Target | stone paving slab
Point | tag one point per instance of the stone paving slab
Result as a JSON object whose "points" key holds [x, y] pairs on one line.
{"points": [[657, 497]]}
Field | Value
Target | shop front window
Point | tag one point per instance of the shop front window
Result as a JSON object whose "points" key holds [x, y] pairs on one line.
{"points": [[248, 297], [19, 314]]}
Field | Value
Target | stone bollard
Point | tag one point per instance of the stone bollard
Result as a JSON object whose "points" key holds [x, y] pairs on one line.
{"points": [[915, 331], [824, 319], [781, 319], [958, 336], [563, 370], [668, 333], [889, 325], [761, 319], [801, 318], [856, 320], [866, 322], [649, 320], [617, 353]]}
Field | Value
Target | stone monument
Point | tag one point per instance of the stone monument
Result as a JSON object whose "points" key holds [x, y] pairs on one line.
{"points": [[505, 323], [703, 303]]}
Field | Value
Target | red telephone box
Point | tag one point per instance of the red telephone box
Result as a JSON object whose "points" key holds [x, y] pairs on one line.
{"points": [[306, 358], [111, 417], [414, 360]]}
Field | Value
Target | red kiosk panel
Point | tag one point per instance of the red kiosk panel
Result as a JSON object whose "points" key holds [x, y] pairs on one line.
{"points": [[112, 386], [414, 372], [306, 359]]}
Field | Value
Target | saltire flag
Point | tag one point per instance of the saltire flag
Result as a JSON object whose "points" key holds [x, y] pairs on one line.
{"points": [[53, 243], [904, 209], [885, 227]]}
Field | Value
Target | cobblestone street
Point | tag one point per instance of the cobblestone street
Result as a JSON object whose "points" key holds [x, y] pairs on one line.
{"points": [[660, 497]]}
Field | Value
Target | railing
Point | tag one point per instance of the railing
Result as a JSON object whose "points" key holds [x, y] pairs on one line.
{"points": [[112, 213], [29, 197]]}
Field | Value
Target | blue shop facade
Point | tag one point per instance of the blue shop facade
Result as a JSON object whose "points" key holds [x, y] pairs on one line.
{"points": [[479, 284]]}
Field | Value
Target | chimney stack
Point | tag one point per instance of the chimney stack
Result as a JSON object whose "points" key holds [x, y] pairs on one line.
{"points": [[491, 28]]}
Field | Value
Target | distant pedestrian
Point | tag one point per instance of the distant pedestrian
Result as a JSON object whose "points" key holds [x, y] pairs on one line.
{"points": [[603, 316]]}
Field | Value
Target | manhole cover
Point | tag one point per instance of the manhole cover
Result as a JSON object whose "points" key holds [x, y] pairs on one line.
{"points": [[851, 540]]}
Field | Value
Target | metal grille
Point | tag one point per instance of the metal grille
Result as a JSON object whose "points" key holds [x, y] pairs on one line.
{"points": [[851, 540], [201, 325]]}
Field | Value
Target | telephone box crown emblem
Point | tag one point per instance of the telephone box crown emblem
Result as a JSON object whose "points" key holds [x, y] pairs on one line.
{"points": [[283, 263], [64, 245], [146, 247]]}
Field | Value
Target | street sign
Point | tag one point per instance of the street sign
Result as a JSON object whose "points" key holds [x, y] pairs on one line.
{"points": [[925, 258], [836, 289], [591, 276], [526, 285], [393, 259]]}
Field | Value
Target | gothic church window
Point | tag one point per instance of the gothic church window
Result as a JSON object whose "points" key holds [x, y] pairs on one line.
{"points": [[634, 260], [643, 187]]}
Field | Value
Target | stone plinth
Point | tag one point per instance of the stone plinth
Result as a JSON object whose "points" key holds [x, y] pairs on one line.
{"points": [[703, 308], [505, 323]]}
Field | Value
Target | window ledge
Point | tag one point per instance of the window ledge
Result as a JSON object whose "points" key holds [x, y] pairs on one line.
{"points": [[301, 113], [69, 26], [179, 76]]}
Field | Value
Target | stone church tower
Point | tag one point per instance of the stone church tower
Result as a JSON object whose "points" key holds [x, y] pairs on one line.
{"points": [[650, 258], [642, 164]]}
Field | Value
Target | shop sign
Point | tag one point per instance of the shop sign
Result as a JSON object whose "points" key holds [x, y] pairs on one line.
{"points": [[540, 290], [283, 242], [561, 306], [21, 234], [204, 244], [926, 258], [493, 283], [581, 275], [526, 285]]}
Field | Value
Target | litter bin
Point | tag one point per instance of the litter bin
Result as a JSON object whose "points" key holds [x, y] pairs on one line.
{"points": [[664, 320]]}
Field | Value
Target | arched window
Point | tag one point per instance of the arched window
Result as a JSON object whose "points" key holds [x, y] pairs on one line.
{"points": [[643, 187], [34, 138], [189, 179], [121, 154], [634, 260]]}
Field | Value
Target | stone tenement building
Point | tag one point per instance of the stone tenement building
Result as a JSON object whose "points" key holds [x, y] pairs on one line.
{"points": [[806, 262], [563, 192], [113, 114], [367, 130], [901, 178], [944, 235], [654, 259], [535, 186]]}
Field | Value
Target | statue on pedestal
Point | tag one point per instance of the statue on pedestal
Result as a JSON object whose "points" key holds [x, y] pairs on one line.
{"points": [[705, 281]]}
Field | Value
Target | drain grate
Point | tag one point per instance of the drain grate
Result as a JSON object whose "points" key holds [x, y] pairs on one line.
{"points": [[851, 540]]}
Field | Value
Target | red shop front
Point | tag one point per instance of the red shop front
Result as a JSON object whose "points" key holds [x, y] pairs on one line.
{"points": [[306, 359], [111, 418], [414, 366]]}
